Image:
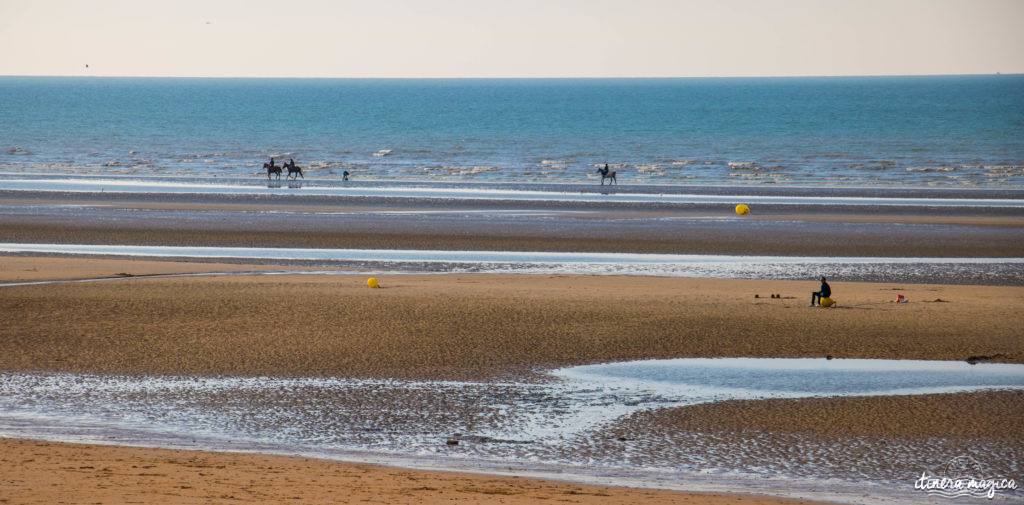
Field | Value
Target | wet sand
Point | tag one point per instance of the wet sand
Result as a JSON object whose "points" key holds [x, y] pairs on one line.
{"points": [[253, 221], [881, 439], [46, 473], [15, 269], [988, 415]]}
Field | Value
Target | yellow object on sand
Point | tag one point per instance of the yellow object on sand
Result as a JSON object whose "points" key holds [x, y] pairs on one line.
{"points": [[827, 302], [373, 282], [742, 209]]}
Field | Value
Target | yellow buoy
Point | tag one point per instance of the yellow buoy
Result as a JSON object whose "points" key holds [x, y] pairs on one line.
{"points": [[827, 302], [373, 282], [742, 209]]}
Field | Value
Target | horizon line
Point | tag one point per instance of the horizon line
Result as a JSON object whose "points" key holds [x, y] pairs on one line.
{"points": [[128, 76]]}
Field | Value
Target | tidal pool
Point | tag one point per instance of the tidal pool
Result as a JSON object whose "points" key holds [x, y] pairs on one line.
{"points": [[549, 427]]}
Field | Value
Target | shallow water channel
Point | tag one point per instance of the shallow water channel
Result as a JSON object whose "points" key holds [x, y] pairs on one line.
{"points": [[550, 426], [959, 270]]}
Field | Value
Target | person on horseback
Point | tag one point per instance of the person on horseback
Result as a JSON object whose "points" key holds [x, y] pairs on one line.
{"points": [[272, 168], [606, 174], [294, 171]]}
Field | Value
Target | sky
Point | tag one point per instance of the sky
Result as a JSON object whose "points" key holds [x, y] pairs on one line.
{"points": [[510, 38]]}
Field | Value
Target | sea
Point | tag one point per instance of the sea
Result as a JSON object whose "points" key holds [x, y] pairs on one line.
{"points": [[947, 131]]}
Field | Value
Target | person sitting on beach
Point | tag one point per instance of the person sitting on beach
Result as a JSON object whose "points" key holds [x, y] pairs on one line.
{"points": [[824, 292]]}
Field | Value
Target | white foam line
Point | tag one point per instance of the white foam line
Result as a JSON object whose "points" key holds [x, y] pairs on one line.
{"points": [[475, 257]]}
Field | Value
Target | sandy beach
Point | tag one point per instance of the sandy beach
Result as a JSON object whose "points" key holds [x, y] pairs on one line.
{"points": [[479, 328], [45, 473], [138, 317], [471, 327]]}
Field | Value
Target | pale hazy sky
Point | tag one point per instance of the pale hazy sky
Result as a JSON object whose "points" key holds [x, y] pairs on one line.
{"points": [[508, 38]]}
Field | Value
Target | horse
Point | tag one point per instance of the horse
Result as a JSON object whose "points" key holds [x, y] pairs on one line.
{"points": [[605, 174], [273, 169], [294, 169]]}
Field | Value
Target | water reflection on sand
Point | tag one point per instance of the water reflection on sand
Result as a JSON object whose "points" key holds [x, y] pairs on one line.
{"points": [[557, 425], [964, 270]]}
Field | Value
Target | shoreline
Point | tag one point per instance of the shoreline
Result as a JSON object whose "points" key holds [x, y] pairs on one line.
{"points": [[730, 187]]}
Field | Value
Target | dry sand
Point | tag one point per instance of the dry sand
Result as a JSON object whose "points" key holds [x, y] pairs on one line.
{"points": [[474, 326], [48, 473]]}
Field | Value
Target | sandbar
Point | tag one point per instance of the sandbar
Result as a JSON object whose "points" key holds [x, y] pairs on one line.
{"points": [[472, 326]]}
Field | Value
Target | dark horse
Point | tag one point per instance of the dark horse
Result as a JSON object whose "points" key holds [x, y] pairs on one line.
{"points": [[293, 169], [605, 174], [271, 168]]}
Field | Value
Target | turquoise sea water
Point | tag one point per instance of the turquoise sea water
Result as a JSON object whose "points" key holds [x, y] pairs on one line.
{"points": [[958, 131]]}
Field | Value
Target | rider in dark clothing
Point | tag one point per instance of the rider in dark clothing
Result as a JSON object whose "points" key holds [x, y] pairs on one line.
{"points": [[824, 292]]}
